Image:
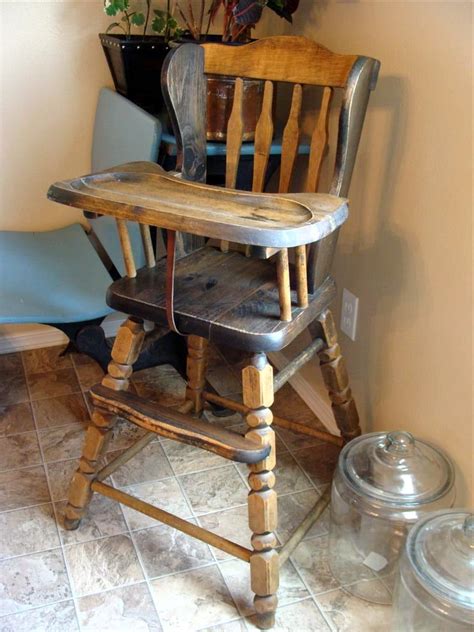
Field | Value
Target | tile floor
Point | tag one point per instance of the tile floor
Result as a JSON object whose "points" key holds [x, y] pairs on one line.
{"points": [[121, 570]]}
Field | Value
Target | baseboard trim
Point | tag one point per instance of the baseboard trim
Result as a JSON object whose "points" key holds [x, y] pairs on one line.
{"points": [[308, 394], [20, 339]]}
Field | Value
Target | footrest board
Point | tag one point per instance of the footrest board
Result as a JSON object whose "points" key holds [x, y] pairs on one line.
{"points": [[174, 425]]}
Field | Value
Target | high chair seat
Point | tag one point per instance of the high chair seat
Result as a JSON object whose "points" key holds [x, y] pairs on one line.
{"points": [[225, 297]]}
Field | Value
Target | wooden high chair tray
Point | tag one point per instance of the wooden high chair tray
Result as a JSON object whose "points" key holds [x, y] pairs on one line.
{"points": [[154, 197]]}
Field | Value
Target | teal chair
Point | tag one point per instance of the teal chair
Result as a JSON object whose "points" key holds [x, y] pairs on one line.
{"points": [[60, 277]]}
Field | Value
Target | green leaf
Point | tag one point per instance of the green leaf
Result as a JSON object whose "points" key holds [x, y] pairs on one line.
{"points": [[138, 19], [172, 23], [159, 24], [110, 10]]}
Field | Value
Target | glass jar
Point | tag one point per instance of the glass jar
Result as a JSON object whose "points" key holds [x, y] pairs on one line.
{"points": [[384, 482], [435, 587]]}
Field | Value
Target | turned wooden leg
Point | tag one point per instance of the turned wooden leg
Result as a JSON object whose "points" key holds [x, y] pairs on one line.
{"points": [[335, 377], [257, 381], [196, 367], [125, 351]]}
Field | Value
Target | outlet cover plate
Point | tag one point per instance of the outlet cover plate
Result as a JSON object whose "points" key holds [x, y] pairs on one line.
{"points": [[349, 312]]}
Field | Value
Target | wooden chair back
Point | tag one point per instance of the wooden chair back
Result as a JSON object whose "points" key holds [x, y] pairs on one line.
{"points": [[294, 60]]}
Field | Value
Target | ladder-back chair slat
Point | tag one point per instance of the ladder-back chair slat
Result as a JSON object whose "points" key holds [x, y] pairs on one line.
{"points": [[235, 129], [126, 246], [290, 140], [319, 142], [263, 139], [147, 245]]}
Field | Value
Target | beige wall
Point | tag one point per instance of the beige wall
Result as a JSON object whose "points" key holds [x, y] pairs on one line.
{"points": [[52, 67], [406, 249]]}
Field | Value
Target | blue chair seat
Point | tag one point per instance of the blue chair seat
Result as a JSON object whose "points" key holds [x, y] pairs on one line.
{"points": [[219, 149], [51, 277]]}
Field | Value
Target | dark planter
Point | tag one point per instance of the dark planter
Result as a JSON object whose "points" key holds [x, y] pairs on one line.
{"points": [[135, 65]]}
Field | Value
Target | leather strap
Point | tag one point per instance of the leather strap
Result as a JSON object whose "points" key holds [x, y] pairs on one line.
{"points": [[170, 267]]}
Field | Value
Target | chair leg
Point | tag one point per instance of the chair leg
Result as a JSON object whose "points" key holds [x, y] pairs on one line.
{"points": [[257, 381], [336, 379], [196, 367], [125, 351]]}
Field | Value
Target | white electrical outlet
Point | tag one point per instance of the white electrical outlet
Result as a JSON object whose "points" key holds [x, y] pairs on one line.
{"points": [[350, 309]]}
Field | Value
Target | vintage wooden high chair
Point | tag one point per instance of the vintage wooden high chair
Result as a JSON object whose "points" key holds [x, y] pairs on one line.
{"points": [[257, 304]]}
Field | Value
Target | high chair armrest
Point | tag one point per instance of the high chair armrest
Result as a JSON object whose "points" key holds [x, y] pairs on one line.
{"points": [[144, 192]]}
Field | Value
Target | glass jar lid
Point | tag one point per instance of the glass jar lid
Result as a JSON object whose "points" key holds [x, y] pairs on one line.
{"points": [[396, 469], [440, 549]]}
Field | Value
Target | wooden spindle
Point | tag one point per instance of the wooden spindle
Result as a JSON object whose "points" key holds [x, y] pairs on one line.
{"points": [[147, 245], [126, 246], [301, 276], [319, 141], [263, 139], [284, 291], [289, 146]]}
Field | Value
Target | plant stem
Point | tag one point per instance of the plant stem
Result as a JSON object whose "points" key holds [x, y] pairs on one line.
{"points": [[148, 9]]}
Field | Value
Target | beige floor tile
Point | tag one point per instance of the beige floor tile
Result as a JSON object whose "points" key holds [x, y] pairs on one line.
{"points": [[224, 381], [62, 443], [350, 614], [28, 530], [89, 375], [214, 490], [16, 418], [80, 359], [295, 440], [59, 617], [32, 580], [124, 434], [165, 494], [311, 559], [60, 411], [237, 576], [288, 404], [149, 465], [165, 550], [232, 626], [53, 384], [193, 600], [11, 363], [232, 524], [12, 388], [46, 359], [303, 616], [161, 384], [102, 564], [60, 475], [120, 610], [291, 511], [103, 518], [23, 488], [318, 462], [289, 476], [20, 450], [186, 458], [224, 422]]}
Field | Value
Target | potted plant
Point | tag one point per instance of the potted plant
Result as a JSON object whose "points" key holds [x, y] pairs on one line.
{"points": [[239, 18], [134, 55], [135, 59]]}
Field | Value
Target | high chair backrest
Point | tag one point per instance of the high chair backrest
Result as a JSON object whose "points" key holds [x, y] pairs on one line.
{"points": [[292, 60]]}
